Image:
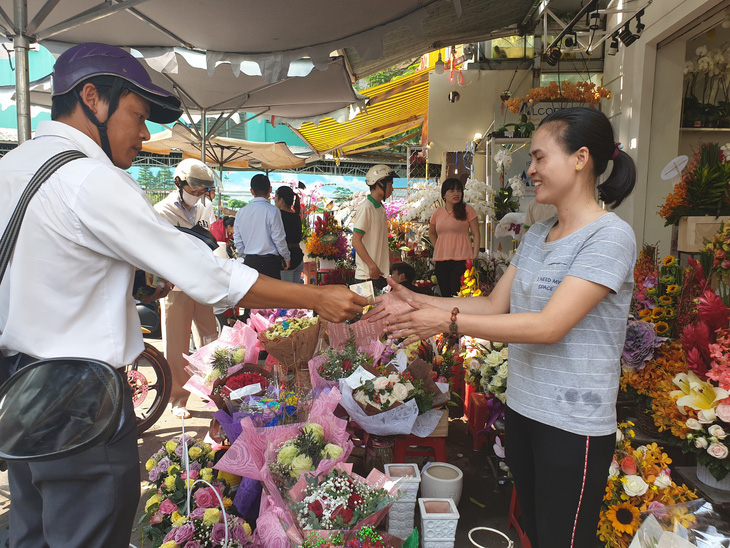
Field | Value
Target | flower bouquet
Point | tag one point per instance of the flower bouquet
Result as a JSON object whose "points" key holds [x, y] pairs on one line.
{"points": [[639, 480], [365, 537], [235, 347], [207, 527], [167, 501], [340, 500], [486, 371], [251, 380], [292, 342], [327, 240], [385, 392]]}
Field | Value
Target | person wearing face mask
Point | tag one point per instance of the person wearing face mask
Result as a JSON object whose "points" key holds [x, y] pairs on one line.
{"points": [[187, 207]]}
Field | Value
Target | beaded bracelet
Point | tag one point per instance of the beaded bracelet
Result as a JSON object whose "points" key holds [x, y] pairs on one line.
{"points": [[453, 328]]}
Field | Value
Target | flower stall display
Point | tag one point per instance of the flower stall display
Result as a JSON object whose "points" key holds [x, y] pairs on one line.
{"points": [[703, 188], [327, 240], [639, 480], [573, 93], [341, 500], [207, 527], [718, 249], [706, 102]]}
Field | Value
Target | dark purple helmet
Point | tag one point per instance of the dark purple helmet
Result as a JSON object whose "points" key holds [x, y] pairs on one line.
{"points": [[91, 59]]}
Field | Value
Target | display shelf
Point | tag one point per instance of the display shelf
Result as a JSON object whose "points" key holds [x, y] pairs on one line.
{"points": [[705, 129]]}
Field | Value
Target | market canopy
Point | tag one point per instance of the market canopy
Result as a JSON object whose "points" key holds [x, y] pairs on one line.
{"points": [[271, 33], [393, 108], [224, 151]]}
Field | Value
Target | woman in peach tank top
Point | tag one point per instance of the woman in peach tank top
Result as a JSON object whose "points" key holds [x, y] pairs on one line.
{"points": [[453, 227]]}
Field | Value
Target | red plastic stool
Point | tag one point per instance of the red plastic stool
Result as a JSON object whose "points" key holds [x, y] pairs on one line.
{"points": [[413, 446], [513, 519], [477, 419]]}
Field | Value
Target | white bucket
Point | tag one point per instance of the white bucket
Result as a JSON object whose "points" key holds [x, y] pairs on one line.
{"points": [[442, 480]]}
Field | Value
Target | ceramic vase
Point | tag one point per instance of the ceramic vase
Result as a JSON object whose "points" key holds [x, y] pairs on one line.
{"points": [[402, 513], [442, 480], [439, 518]]}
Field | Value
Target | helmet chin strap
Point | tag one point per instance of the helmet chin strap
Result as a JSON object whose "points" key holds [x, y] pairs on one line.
{"points": [[101, 126]]}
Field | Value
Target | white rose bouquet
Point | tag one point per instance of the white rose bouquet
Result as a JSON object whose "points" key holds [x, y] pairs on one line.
{"points": [[387, 392], [486, 369]]}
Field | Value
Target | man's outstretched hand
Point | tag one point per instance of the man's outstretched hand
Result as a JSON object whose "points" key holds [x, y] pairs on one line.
{"points": [[336, 303]]}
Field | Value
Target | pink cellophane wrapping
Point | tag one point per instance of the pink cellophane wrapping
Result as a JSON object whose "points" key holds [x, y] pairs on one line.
{"points": [[375, 479], [364, 331], [258, 322], [242, 336], [269, 530], [201, 364], [247, 455], [317, 380]]}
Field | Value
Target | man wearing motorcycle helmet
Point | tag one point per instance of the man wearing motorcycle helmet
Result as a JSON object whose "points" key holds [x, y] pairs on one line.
{"points": [[91, 226], [370, 228], [186, 207]]}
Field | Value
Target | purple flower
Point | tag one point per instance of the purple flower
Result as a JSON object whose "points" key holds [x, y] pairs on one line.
{"points": [[192, 544], [218, 534], [239, 533], [169, 536], [184, 533], [650, 282], [155, 475], [164, 464], [179, 450], [641, 340], [195, 466], [198, 513]]}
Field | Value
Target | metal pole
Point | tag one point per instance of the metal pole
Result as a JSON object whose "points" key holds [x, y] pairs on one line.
{"points": [[203, 133], [22, 81]]}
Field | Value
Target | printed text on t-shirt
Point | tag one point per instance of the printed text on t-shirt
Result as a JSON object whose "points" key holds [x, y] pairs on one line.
{"points": [[547, 283]]}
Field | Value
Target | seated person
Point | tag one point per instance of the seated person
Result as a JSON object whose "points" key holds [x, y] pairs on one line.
{"points": [[404, 274]]}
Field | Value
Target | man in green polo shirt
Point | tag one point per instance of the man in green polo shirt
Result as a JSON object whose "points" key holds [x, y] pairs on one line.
{"points": [[370, 228]]}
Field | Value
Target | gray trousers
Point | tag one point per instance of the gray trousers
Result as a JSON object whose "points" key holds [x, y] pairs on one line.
{"points": [[87, 500]]}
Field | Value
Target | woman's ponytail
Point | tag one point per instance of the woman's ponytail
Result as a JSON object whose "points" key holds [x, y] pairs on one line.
{"points": [[620, 182]]}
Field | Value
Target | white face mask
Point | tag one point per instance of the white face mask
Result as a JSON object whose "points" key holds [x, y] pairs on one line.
{"points": [[190, 199]]}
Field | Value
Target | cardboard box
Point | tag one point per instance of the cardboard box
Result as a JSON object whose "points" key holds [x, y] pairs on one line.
{"points": [[693, 231]]}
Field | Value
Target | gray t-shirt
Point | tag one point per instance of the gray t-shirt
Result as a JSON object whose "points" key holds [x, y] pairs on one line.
{"points": [[572, 384]]}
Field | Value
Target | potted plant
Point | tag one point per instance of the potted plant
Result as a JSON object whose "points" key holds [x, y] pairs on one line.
{"points": [[523, 128]]}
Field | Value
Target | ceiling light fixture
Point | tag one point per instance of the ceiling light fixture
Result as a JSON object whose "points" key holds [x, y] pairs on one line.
{"points": [[554, 56], [438, 66], [613, 46], [627, 37], [570, 41]]}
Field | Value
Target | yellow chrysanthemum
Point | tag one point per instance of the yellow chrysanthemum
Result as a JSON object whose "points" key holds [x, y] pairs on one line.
{"points": [[673, 288], [669, 260], [661, 328], [624, 517]]}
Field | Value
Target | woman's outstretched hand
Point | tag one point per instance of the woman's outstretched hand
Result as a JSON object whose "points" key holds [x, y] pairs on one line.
{"points": [[423, 322], [396, 302]]}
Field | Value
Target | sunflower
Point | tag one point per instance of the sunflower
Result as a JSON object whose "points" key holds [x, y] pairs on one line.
{"points": [[661, 328], [669, 260], [666, 300], [624, 517], [658, 312], [669, 313], [673, 288], [645, 314]]}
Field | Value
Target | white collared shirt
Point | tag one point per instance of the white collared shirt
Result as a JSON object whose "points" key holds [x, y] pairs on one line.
{"points": [[259, 230], [68, 289]]}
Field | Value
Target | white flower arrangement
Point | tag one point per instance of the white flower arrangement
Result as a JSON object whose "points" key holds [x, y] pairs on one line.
{"points": [[503, 158], [425, 199]]}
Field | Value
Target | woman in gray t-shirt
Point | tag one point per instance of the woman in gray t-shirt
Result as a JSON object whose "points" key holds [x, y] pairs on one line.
{"points": [[562, 304]]}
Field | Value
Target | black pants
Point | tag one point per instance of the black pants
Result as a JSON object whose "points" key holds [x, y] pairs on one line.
{"points": [[86, 499], [448, 274], [268, 265], [560, 480]]}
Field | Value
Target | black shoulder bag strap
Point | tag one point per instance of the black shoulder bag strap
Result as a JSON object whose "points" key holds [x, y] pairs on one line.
{"points": [[10, 236]]}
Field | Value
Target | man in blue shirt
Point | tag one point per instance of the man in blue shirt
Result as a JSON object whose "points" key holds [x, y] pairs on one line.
{"points": [[259, 232]]}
